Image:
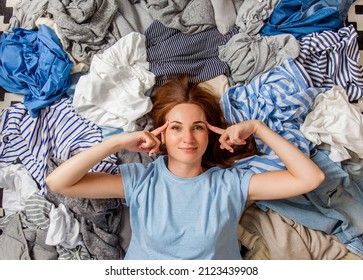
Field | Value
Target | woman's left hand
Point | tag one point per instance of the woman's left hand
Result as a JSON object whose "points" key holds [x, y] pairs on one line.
{"points": [[235, 134]]}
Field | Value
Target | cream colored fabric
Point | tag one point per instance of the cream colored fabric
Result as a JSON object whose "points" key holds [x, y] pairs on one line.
{"points": [[256, 245], [286, 239], [218, 85]]}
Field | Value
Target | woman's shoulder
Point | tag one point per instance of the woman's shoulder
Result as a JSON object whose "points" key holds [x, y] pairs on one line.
{"points": [[140, 166], [229, 171]]}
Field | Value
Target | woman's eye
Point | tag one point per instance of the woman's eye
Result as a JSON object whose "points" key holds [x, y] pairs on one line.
{"points": [[176, 128], [198, 127]]}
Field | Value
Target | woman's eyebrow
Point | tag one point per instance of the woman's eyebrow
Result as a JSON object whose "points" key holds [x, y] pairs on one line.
{"points": [[196, 122], [199, 122]]}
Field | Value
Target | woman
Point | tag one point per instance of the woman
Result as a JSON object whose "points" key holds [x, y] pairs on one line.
{"points": [[187, 203]]}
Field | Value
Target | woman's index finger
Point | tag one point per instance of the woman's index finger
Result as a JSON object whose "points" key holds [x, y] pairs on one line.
{"points": [[160, 129], [215, 129]]}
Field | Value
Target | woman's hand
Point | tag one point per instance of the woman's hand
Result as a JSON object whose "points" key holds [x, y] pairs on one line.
{"points": [[73, 178], [235, 134], [301, 176], [143, 141]]}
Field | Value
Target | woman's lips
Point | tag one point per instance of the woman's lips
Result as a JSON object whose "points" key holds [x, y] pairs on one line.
{"points": [[188, 149]]}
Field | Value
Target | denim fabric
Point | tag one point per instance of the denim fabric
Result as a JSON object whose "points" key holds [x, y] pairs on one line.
{"points": [[335, 207], [302, 17]]}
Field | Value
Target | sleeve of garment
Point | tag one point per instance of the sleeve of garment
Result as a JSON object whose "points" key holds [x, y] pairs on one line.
{"points": [[131, 174], [245, 178], [238, 192]]}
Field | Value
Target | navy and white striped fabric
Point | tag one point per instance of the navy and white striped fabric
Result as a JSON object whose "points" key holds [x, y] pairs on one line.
{"points": [[57, 132], [331, 58], [172, 52], [281, 98]]}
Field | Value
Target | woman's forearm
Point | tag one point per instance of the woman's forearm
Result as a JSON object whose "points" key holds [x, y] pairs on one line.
{"points": [[75, 168], [297, 163]]}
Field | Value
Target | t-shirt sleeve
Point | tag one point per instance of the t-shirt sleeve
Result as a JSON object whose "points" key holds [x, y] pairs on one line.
{"points": [[245, 185], [239, 182], [131, 174]]}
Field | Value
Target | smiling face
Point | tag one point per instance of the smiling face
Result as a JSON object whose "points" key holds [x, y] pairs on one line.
{"points": [[186, 137]]}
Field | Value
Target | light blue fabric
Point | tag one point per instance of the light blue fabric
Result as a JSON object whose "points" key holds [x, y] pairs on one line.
{"points": [[335, 207], [33, 63], [281, 98], [108, 131], [74, 78], [183, 218], [302, 17]]}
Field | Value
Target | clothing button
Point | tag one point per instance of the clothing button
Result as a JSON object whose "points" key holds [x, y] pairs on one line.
{"points": [[6, 139]]}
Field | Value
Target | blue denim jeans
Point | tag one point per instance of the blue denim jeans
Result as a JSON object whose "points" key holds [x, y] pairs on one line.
{"points": [[335, 207]]}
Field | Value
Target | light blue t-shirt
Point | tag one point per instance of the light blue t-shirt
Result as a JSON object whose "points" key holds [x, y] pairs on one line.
{"points": [[184, 218]]}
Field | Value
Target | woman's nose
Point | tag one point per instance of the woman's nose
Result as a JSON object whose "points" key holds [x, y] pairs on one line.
{"points": [[188, 137]]}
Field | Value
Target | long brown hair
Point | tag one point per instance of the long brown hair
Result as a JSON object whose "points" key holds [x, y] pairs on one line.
{"points": [[178, 90]]}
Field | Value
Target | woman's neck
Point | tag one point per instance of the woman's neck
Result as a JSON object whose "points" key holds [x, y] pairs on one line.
{"points": [[185, 170]]}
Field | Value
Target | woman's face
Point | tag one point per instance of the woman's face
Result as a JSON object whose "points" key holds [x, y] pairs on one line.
{"points": [[186, 137]]}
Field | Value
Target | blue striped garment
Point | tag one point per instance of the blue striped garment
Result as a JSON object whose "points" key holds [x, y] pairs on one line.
{"points": [[57, 132], [281, 98], [331, 58], [172, 52]]}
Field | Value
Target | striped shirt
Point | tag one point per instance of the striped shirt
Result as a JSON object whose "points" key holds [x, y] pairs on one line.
{"points": [[172, 52], [331, 58], [57, 132], [281, 98]]}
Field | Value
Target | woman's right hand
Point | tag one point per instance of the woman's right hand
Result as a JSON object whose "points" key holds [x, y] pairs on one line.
{"points": [[143, 141], [74, 179]]}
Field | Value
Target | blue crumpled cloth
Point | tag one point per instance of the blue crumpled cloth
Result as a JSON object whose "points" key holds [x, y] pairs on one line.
{"points": [[302, 17], [33, 63]]}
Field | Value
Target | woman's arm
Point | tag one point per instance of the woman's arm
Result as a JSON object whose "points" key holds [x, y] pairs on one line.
{"points": [[302, 174], [72, 178]]}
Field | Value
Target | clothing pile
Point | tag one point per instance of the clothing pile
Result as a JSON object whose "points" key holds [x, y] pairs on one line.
{"points": [[88, 70]]}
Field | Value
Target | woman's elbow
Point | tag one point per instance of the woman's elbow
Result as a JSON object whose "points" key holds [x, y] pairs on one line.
{"points": [[52, 184], [317, 180]]}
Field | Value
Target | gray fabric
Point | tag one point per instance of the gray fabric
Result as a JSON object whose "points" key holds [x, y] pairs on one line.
{"points": [[36, 212], [101, 244], [34, 225], [132, 17], [25, 14], [27, 244], [224, 15], [252, 14], [85, 26], [133, 157], [77, 253], [249, 56], [187, 16], [101, 221]]}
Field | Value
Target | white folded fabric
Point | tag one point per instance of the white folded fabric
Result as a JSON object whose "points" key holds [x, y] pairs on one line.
{"points": [[113, 93]]}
